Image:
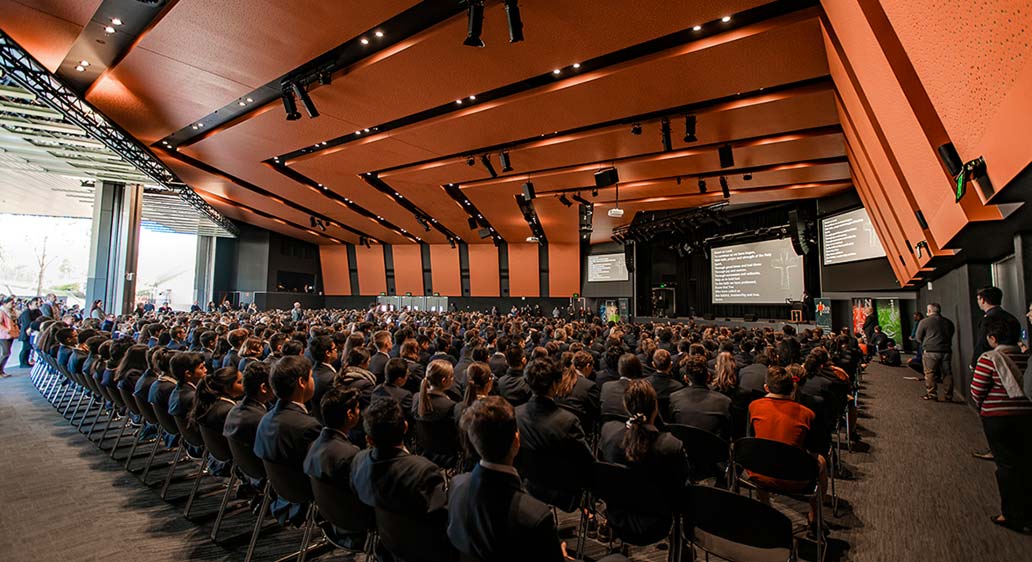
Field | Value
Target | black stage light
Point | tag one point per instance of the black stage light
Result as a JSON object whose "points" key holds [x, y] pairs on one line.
{"points": [[512, 15], [581, 200], [727, 156], [486, 161], [290, 106], [471, 161], [564, 200], [472, 221], [306, 100], [664, 128], [689, 129], [747, 177], [528, 191], [594, 192], [503, 156], [724, 188], [475, 26], [451, 242], [484, 233], [325, 78], [636, 129], [311, 221]]}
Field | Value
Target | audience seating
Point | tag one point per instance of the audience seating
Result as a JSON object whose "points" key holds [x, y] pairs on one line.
{"points": [[341, 509], [639, 512], [706, 452], [714, 522]]}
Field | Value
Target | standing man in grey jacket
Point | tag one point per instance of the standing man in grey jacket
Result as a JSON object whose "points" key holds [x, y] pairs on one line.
{"points": [[935, 334]]}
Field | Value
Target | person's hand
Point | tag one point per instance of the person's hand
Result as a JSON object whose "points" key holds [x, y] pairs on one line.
{"points": [[1023, 346]]}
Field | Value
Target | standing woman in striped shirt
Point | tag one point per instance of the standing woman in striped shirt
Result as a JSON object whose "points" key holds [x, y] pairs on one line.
{"points": [[1006, 413]]}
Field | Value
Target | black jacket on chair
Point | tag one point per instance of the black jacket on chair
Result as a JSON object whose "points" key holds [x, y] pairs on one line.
{"points": [[242, 421], [490, 517], [215, 418], [402, 395], [284, 435], [329, 458]]}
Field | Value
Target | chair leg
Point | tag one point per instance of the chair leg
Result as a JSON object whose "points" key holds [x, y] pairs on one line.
{"points": [[132, 450], [370, 545], [258, 522], [172, 469], [822, 545], [89, 434], [121, 433], [306, 539], [64, 412], [154, 451], [197, 482], [75, 412], [225, 502], [85, 414]]}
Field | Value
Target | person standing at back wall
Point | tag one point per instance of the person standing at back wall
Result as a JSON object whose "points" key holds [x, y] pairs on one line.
{"points": [[989, 300]]}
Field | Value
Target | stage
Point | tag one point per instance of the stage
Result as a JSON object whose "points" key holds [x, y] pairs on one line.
{"points": [[774, 323]]}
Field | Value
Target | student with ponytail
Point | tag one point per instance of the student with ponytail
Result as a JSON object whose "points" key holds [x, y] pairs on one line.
{"points": [[216, 395], [432, 403], [479, 383]]}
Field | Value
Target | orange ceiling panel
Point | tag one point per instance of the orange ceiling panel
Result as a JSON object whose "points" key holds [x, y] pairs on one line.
{"points": [[47, 28]]}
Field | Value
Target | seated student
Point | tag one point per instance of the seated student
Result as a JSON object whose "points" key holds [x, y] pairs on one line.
{"points": [[395, 374], [610, 369], [663, 380], [324, 353], [236, 339], [512, 385], [780, 418], [612, 392], [130, 369], [890, 356], [356, 375], [698, 405], [77, 360], [378, 362], [577, 392], [275, 347], [753, 376], [479, 383], [250, 351], [287, 430], [552, 438], [177, 339], [216, 396], [654, 455], [188, 369], [115, 354], [242, 419], [411, 354], [161, 390], [67, 341], [433, 405], [329, 458], [490, 517], [407, 491]]}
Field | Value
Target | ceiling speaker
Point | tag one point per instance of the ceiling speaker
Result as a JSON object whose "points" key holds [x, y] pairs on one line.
{"points": [[607, 177]]}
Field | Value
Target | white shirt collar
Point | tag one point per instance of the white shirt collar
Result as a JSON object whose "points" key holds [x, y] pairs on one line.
{"points": [[506, 468], [300, 405]]}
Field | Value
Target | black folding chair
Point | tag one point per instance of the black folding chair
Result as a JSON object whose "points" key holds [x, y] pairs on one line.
{"points": [[438, 440], [640, 510], [797, 471], [251, 466], [735, 527], [415, 538], [218, 447], [292, 485], [706, 451], [340, 507]]}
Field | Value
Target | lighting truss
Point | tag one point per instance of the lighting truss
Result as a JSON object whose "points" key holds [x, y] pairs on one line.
{"points": [[27, 72]]}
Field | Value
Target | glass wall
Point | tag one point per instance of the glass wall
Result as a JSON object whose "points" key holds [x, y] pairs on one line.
{"points": [[42, 254], [166, 267]]}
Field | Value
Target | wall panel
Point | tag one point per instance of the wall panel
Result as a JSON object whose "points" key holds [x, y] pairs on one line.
{"points": [[524, 278], [444, 268], [563, 270], [483, 270], [408, 269], [372, 272], [334, 260]]}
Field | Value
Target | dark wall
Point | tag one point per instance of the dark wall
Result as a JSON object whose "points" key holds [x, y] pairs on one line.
{"points": [[253, 261], [290, 255], [284, 301], [609, 289], [955, 291]]}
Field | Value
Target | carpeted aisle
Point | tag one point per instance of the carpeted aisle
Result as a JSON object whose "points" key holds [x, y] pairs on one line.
{"points": [[917, 494]]}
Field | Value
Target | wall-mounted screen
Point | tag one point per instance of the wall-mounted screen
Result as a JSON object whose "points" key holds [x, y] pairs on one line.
{"points": [[767, 272], [607, 267], [849, 237]]}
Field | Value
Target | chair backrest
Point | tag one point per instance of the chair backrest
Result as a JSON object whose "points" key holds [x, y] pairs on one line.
{"points": [[245, 459], [289, 483], [129, 401], [550, 478], [414, 538], [146, 410], [624, 489], [775, 459], [168, 423], [439, 437], [191, 435], [736, 527], [216, 444], [703, 447], [340, 506]]}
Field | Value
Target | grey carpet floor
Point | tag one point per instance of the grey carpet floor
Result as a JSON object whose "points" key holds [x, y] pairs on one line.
{"points": [[916, 492]]}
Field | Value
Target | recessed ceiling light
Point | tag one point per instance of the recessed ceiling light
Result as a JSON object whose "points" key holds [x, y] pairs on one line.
{"points": [[379, 34], [249, 100], [366, 130], [576, 65], [80, 68], [116, 21], [458, 102], [240, 103], [200, 124], [109, 30], [697, 28], [556, 71], [365, 41], [358, 132], [84, 62], [472, 98], [725, 19]]}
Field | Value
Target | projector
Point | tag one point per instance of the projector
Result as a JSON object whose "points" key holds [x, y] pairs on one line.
{"points": [[616, 212]]}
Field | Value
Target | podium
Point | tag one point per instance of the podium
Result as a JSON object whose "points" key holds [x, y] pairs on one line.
{"points": [[796, 315]]}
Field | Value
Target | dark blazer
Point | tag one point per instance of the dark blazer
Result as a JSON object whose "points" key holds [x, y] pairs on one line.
{"points": [[323, 375], [142, 389], [498, 365], [181, 400], [284, 435], [490, 517], [403, 396], [997, 313], [583, 401], [664, 385], [159, 394], [416, 372], [752, 377], [377, 363], [230, 359], [513, 387], [63, 353], [215, 418], [612, 396], [441, 407], [329, 458], [552, 437], [242, 420], [704, 408], [606, 375], [76, 360]]}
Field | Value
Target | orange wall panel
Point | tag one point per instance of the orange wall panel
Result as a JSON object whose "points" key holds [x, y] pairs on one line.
{"points": [[372, 272], [524, 271], [483, 270], [564, 267], [444, 270], [334, 262], [408, 269]]}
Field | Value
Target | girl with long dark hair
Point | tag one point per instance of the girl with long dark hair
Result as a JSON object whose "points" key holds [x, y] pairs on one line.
{"points": [[216, 395]]}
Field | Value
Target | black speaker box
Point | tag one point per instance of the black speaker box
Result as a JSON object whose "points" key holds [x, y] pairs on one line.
{"points": [[749, 317], [528, 191], [708, 316], [727, 156], [629, 257], [607, 177], [950, 158]]}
